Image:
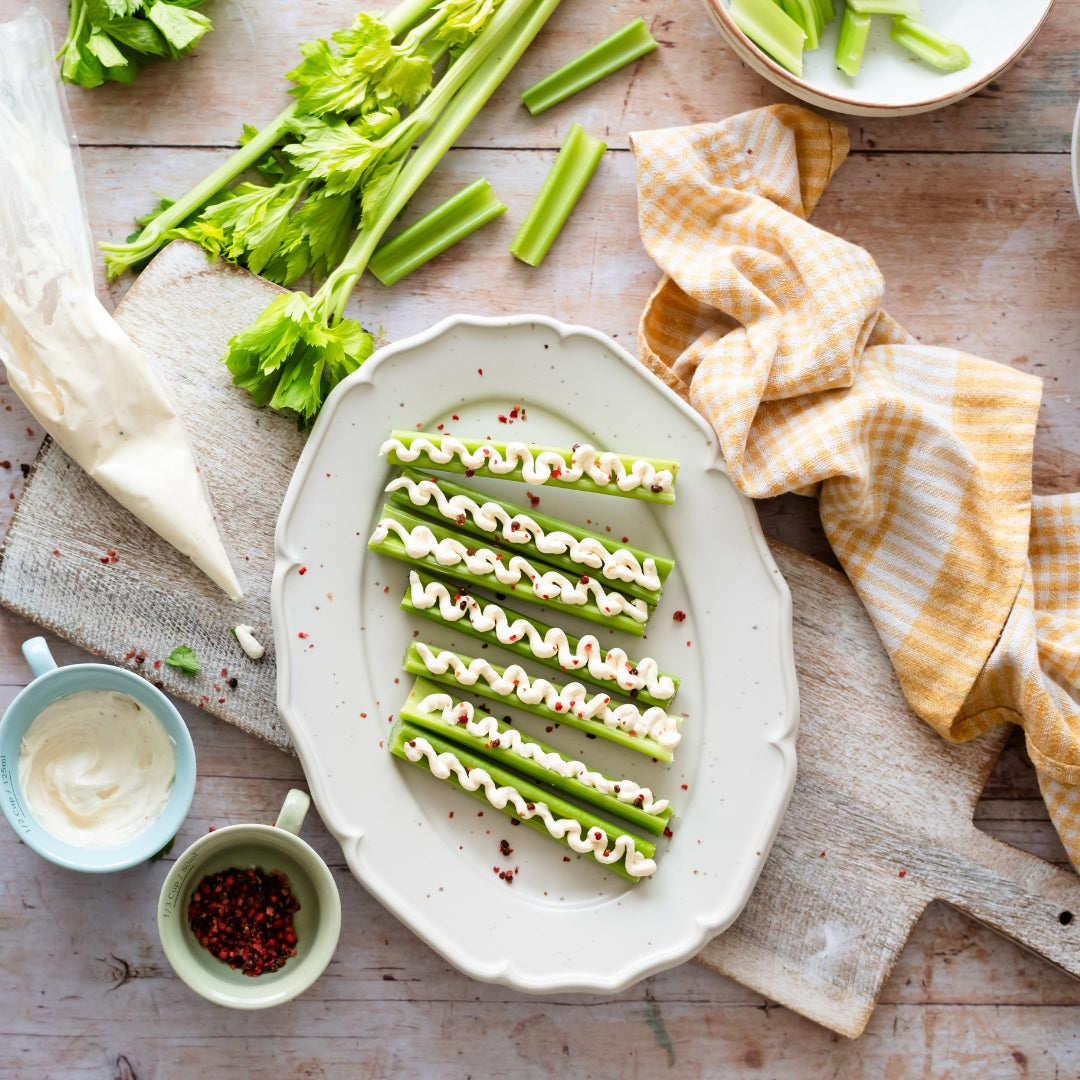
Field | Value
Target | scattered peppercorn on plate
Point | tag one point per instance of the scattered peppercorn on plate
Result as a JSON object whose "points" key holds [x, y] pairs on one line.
{"points": [[907, 56], [563, 776]]}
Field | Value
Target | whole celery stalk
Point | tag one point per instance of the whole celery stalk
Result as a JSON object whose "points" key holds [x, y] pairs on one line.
{"points": [[301, 346], [158, 229]]}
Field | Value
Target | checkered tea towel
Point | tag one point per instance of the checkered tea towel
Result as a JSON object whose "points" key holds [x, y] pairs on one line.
{"points": [[920, 456]]}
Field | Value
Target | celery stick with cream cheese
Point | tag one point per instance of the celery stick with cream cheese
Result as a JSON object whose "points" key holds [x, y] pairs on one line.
{"points": [[450, 605], [429, 706], [559, 543], [428, 545], [650, 730], [582, 467], [512, 793]]}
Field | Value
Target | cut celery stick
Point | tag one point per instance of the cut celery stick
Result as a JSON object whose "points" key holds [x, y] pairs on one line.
{"points": [[851, 41], [642, 680], [492, 738], [771, 29], [569, 705], [647, 478], [806, 14], [631, 570], [530, 798], [571, 171], [623, 47], [929, 45], [444, 226], [464, 562], [909, 8], [826, 13]]}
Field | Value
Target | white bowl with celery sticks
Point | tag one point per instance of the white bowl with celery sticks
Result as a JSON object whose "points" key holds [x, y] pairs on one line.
{"points": [[878, 57]]}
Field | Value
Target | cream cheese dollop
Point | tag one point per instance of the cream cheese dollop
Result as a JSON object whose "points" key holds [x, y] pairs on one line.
{"points": [[96, 768]]}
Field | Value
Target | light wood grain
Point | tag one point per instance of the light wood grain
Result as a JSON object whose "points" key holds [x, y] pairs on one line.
{"points": [[880, 821], [85, 989]]}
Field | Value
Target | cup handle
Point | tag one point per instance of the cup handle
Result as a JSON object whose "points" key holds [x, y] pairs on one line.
{"points": [[36, 652], [293, 811]]}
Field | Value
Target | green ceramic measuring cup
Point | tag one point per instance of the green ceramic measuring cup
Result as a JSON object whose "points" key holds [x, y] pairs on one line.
{"points": [[271, 847]]}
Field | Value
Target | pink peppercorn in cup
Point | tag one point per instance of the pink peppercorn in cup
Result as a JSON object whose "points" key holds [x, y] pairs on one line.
{"points": [[249, 915]]}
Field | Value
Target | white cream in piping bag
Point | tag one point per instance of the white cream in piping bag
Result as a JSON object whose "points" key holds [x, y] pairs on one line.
{"points": [[83, 379]]}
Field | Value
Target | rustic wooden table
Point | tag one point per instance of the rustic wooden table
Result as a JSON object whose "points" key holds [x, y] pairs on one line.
{"points": [[970, 214]]}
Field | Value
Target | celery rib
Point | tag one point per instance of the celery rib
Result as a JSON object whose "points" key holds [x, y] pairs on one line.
{"points": [[929, 45], [487, 678], [623, 47], [851, 41], [572, 169], [520, 632], [772, 29], [454, 727], [464, 213], [909, 8], [404, 735]]}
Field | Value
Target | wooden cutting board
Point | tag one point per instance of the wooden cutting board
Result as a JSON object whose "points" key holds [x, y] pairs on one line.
{"points": [[880, 822]]}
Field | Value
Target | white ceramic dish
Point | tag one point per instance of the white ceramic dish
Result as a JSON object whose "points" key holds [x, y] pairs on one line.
{"points": [[1076, 158], [892, 82], [426, 851]]}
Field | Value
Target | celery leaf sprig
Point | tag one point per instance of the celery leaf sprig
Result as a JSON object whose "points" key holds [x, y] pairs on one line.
{"points": [[113, 40]]}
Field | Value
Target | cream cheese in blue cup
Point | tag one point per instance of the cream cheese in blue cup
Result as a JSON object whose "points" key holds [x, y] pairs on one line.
{"points": [[85, 735]]}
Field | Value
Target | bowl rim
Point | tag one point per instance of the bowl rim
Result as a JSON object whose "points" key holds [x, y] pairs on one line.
{"points": [[747, 49], [157, 834], [1075, 155]]}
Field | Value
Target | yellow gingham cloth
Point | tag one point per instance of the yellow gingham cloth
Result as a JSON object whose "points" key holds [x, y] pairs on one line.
{"points": [[920, 456]]}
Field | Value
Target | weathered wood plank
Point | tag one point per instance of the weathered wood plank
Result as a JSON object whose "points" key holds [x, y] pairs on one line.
{"points": [[693, 77]]}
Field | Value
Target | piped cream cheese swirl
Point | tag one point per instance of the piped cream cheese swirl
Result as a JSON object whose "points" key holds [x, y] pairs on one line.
{"points": [[520, 528], [592, 840], [571, 699], [612, 665], [420, 542], [511, 740], [602, 467]]}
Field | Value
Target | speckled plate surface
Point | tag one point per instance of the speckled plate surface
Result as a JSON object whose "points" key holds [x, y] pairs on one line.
{"points": [[427, 851]]}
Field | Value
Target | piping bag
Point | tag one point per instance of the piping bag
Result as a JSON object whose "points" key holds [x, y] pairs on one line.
{"points": [[77, 372]]}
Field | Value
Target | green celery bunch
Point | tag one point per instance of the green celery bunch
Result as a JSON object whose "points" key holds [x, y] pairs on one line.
{"points": [[290, 199], [285, 203], [113, 40]]}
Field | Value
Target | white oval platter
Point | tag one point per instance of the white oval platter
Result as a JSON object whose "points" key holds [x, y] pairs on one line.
{"points": [[431, 854]]}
